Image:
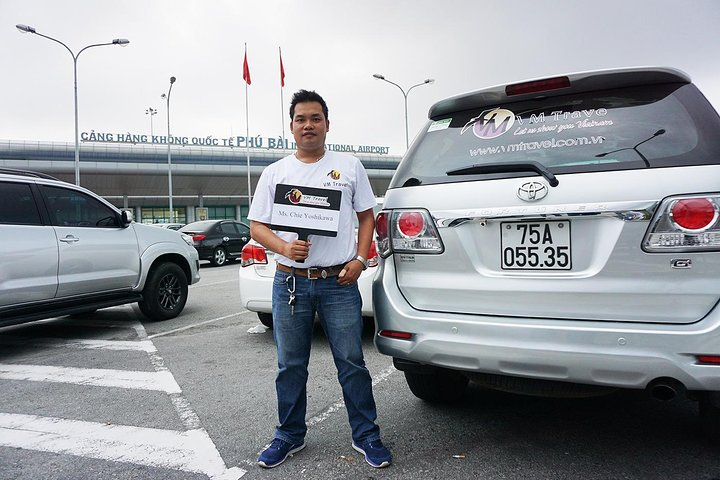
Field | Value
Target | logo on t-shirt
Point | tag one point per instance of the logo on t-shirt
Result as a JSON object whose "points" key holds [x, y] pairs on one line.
{"points": [[334, 174]]}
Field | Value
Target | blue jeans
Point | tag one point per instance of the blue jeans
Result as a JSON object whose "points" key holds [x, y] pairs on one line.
{"points": [[339, 309]]}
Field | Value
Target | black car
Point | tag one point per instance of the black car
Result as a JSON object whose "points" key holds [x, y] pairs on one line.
{"points": [[218, 240]]}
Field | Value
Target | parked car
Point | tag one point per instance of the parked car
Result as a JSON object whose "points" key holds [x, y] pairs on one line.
{"points": [[67, 251], [171, 226], [256, 278], [558, 237], [256, 281], [218, 240]]}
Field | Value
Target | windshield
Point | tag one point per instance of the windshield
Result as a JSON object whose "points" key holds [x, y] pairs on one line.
{"points": [[629, 128]]}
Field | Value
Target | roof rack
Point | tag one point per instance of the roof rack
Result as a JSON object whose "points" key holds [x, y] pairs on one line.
{"points": [[26, 173]]}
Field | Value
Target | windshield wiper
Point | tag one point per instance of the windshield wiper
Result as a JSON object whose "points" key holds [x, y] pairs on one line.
{"points": [[529, 166]]}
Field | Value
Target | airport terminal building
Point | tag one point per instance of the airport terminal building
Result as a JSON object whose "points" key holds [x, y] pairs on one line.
{"points": [[208, 181]]}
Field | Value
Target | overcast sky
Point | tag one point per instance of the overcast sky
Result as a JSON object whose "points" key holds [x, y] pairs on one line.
{"points": [[331, 46]]}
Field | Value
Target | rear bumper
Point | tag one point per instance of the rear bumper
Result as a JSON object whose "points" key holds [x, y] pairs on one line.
{"points": [[617, 354], [255, 291], [205, 253]]}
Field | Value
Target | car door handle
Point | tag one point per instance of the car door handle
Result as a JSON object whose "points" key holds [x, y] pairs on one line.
{"points": [[225, 239], [70, 239], [244, 239]]}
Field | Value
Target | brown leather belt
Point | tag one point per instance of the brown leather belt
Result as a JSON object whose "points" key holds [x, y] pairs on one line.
{"points": [[313, 273]]}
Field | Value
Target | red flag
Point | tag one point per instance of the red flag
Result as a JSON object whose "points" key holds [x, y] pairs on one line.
{"points": [[246, 70], [282, 71]]}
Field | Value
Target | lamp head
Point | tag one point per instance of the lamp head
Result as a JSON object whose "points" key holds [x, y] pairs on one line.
{"points": [[378, 76], [25, 28], [429, 80], [163, 96], [172, 80], [123, 42]]}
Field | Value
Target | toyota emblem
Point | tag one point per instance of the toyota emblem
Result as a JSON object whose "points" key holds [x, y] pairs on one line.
{"points": [[532, 191]]}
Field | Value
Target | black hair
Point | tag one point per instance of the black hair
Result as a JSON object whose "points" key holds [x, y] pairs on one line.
{"points": [[302, 96]]}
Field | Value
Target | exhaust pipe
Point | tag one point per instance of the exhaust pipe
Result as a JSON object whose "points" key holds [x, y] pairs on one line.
{"points": [[665, 389]]}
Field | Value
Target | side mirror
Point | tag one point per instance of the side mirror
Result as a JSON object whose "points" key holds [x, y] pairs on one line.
{"points": [[127, 217]]}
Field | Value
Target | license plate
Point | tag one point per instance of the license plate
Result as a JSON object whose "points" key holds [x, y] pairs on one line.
{"points": [[535, 245]]}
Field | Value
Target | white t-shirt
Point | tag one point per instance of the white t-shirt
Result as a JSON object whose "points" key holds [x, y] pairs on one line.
{"points": [[337, 171]]}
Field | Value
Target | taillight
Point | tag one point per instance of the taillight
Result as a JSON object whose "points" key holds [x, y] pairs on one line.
{"points": [[381, 228], [538, 86], [198, 237], [685, 224], [253, 254], [406, 231], [411, 224], [694, 214], [372, 256]]}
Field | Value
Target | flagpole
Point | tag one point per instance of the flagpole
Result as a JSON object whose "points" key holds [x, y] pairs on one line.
{"points": [[247, 135], [282, 100]]}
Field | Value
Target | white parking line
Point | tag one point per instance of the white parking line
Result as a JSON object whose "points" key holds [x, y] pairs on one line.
{"points": [[192, 450], [325, 414], [142, 345], [162, 381], [189, 451], [201, 284], [188, 327]]}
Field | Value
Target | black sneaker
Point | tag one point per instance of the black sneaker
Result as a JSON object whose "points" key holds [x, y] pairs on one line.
{"points": [[375, 453], [276, 452]]}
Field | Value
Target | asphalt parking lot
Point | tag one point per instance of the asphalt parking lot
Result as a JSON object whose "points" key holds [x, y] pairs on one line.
{"points": [[109, 396]]}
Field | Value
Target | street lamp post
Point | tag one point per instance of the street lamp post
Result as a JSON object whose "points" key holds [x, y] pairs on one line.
{"points": [[151, 111], [118, 41], [405, 95], [170, 193]]}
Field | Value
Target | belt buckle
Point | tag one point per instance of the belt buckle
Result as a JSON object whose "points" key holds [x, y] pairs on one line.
{"points": [[313, 273]]}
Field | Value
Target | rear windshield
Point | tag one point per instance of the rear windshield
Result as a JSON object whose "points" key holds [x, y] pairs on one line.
{"points": [[629, 128]]}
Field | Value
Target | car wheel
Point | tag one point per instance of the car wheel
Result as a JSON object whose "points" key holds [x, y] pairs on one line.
{"points": [[219, 257], [440, 386], [165, 293], [266, 319], [710, 413]]}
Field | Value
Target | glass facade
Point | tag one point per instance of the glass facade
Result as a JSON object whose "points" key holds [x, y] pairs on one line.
{"points": [[162, 215], [222, 212]]}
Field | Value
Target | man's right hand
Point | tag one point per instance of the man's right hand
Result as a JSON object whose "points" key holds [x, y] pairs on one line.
{"points": [[296, 250]]}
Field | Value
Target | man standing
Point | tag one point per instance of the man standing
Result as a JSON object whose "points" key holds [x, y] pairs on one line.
{"points": [[318, 276]]}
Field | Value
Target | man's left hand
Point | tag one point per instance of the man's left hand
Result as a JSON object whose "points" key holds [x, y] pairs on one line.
{"points": [[350, 273]]}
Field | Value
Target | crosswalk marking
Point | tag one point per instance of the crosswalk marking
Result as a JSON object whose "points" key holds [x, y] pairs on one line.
{"points": [[162, 381], [136, 345], [189, 451]]}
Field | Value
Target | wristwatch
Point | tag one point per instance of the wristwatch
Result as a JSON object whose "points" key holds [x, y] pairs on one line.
{"points": [[362, 260]]}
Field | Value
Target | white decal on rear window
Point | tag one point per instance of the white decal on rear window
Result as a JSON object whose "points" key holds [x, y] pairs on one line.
{"points": [[490, 123], [440, 125]]}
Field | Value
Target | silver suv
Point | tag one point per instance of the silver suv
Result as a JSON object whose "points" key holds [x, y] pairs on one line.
{"points": [[558, 237], [65, 251]]}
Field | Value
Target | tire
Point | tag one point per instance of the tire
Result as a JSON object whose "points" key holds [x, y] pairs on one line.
{"points": [[219, 257], [165, 293], [266, 319], [710, 414], [441, 386]]}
